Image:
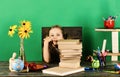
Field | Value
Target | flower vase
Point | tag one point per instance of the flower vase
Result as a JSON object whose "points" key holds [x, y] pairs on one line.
{"points": [[22, 54]]}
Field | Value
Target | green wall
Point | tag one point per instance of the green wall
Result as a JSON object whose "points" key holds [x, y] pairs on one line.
{"points": [[85, 13]]}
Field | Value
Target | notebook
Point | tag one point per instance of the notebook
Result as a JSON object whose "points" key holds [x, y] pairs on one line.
{"points": [[61, 71]]}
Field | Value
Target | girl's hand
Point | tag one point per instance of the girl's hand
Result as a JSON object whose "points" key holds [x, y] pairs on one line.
{"points": [[47, 40]]}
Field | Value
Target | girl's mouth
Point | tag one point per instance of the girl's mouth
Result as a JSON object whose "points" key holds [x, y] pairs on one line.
{"points": [[55, 40]]}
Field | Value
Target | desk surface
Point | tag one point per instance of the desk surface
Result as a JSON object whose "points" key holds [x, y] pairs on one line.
{"points": [[4, 72]]}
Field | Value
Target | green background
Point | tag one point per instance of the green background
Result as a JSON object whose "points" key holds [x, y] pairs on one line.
{"points": [[85, 13]]}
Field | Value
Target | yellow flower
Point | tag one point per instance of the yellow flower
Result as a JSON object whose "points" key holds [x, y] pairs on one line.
{"points": [[25, 23], [24, 32], [12, 30]]}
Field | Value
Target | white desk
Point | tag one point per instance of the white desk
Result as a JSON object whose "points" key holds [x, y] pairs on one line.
{"points": [[115, 42]]}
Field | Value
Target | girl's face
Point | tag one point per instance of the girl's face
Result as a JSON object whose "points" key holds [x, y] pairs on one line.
{"points": [[55, 34]]}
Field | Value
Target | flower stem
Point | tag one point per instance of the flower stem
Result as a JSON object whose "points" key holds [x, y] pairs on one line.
{"points": [[22, 54]]}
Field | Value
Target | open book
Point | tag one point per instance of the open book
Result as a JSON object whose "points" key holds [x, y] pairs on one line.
{"points": [[61, 71]]}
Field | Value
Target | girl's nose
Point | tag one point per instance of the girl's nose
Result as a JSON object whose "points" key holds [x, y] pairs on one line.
{"points": [[54, 37]]}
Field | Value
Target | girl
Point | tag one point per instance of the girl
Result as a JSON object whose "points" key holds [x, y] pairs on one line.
{"points": [[50, 47]]}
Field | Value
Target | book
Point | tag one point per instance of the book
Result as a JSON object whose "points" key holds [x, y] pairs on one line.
{"points": [[70, 46], [69, 41], [70, 50], [60, 71], [70, 64], [71, 53], [70, 58]]}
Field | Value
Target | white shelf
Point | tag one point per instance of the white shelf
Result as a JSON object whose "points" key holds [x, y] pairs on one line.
{"points": [[111, 30], [115, 42], [111, 54]]}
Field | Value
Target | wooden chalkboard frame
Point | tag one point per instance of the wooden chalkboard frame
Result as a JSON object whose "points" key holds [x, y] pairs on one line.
{"points": [[69, 32]]}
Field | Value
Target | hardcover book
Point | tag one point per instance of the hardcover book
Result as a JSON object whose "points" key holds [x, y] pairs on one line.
{"points": [[70, 64], [69, 41], [70, 46], [71, 51], [62, 71]]}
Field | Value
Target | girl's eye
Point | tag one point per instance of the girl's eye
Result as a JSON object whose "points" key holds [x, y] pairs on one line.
{"points": [[58, 34], [52, 35]]}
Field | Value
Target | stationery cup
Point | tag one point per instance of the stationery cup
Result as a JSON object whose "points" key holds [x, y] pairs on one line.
{"points": [[109, 24]]}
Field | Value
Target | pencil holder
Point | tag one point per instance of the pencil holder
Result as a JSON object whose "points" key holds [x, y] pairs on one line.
{"points": [[109, 24]]}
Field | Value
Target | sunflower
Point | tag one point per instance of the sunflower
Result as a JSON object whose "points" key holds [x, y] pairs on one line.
{"points": [[25, 23], [12, 30], [24, 32]]}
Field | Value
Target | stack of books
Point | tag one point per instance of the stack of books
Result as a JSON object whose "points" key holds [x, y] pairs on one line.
{"points": [[70, 53], [70, 58]]}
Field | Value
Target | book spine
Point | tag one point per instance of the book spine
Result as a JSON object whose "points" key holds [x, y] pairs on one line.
{"points": [[69, 64], [79, 46], [71, 51], [70, 60], [68, 42]]}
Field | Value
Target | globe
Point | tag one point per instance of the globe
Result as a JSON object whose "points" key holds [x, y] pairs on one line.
{"points": [[18, 65]]}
